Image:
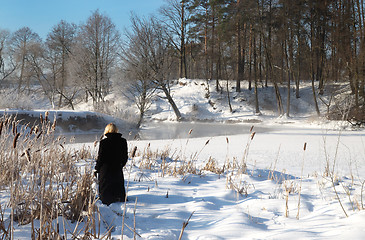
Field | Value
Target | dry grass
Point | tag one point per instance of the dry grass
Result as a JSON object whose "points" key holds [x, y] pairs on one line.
{"points": [[41, 177]]}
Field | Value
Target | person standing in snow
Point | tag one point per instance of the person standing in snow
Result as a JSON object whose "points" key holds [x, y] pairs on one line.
{"points": [[112, 157]]}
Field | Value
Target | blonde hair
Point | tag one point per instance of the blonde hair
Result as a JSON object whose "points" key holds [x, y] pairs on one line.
{"points": [[110, 128]]}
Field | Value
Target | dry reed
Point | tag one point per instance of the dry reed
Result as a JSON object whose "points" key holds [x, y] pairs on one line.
{"points": [[301, 179], [42, 179], [185, 224]]}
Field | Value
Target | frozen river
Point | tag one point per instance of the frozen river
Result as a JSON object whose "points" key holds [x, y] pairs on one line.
{"points": [[174, 130], [181, 130], [177, 130]]}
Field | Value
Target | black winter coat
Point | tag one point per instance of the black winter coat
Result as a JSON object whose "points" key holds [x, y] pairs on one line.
{"points": [[112, 157]]}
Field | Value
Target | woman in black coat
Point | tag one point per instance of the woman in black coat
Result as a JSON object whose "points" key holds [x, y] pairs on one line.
{"points": [[112, 157]]}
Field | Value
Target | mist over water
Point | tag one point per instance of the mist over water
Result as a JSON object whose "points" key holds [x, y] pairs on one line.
{"points": [[176, 130], [170, 130]]}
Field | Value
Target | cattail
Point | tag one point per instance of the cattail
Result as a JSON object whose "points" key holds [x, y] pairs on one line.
{"points": [[15, 140], [27, 154], [46, 116], [31, 131], [40, 133], [1, 126], [54, 124], [14, 129], [253, 135], [227, 140], [7, 122], [36, 129], [191, 130], [207, 142], [251, 128], [41, 117], [305, 146], [134, 151]]}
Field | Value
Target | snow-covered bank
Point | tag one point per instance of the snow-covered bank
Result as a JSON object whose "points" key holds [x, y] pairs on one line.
{"points": [[66, 121], [199, 101]]}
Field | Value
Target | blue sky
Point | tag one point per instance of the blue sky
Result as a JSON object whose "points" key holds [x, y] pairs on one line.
{"points": [[42, 15]]}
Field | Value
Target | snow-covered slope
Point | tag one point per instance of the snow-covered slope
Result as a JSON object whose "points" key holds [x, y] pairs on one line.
{"points": [[198, 102]]}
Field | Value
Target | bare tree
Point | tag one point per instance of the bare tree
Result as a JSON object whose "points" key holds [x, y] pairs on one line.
{"points": [[7, 66], [21, 42], [37, 63], [152, 47], [136, 76], [95, 54], [174, 16], [59, 44], [138, 86]]}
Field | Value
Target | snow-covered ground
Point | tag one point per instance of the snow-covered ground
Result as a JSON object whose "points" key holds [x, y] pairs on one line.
{"points": [[286, 192]]}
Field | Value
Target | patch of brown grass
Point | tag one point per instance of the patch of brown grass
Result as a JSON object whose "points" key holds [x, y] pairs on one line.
{"points": [[41, 178]]}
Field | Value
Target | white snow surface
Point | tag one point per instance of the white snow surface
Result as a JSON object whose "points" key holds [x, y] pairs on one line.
{"points": [[276, 161]]}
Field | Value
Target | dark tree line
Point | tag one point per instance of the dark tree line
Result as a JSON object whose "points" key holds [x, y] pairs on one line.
{"points": [[277, 41], [280, 43]]}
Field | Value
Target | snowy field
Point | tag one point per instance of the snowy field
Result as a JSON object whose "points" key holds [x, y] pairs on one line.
{"points": [[300, 179], [274, 164], [278, 169]]}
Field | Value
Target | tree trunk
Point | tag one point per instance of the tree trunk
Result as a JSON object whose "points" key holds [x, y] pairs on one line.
{"points": [[297, 80], [288, 80], [240, 63], [315, 97], [257, 108], [312, 64], [21, 74], [171, 101], [288, 97], [141, 115], [212, 52], [206, 45], [260, 43], [279, 101], [361, 16], [183, 73], [229, 98], [250, 61]]}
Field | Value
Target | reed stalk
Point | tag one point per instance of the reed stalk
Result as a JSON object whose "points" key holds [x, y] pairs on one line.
{"points": [[301, 179]]}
